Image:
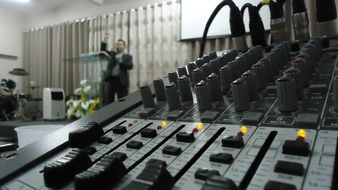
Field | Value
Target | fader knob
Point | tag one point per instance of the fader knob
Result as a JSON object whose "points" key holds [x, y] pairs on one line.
{"points": [[197, 75], [226, 78], [294, 72], [240, 95], [260, 71], [191, 66], [251, 79], [215, 87], [184, 87], [286, 93], [203, 96], [182, 71], [206, 69], [147, 97], [335, 93], [172, 77], [174, 102], [159, 89]]}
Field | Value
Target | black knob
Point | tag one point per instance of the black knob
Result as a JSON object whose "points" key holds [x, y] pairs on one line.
{"points": [[278, 57], [226, 78], [274, 62], [147, 97], [197, 75], [215, 87], [268, 69], [159, 89], [294, 72], [174, 102], [212, 55], [215, 65], [203, 96], [335, 93], [191, 66], [184, 87], [85, 135], [251, 79], [240, 95], [206, 69], [199, 62], [304, 70], [206, 59], [259, 69], [172, 77], [286, 94], [235, 70], [242, 62], [182, 71]]}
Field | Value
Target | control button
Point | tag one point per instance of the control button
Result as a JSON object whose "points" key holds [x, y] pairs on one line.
{"points": [[174, 102], [147, 97], [149, 133], [182, 71], [134, 144], [240, 95], [203, 96], [103, 175], [307, 119], [185, 90], [226, 78], [197, 75], [159, 89], [105, 140], [209, 116], [292, 168], [203, 173], [84, 136], [59, 173], [90, 150], [206, 69], [286, 94], [276, 185], [221, 157], [185, 137], [216, 182], [172, 150], [259, 69], [295, 73], [215, 87], [252, 80], [296, 147], [119, 130], [172, 77], [233, 141], [329, 149], [119, 155]]}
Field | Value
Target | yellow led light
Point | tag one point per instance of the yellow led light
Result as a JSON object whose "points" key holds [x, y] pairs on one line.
{"points": [[243, 129], [265, 2], [301, 133], [199, 126], [164, 123]]}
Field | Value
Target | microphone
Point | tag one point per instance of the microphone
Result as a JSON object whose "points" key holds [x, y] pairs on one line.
{"points": [[256, 26], [278, 25], [327, 18], [300, 21]]}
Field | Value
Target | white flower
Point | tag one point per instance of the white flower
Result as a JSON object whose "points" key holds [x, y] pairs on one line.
{"points": [[78, 113], [83, 82], [85, 105], [78, 91], [87, 89]]}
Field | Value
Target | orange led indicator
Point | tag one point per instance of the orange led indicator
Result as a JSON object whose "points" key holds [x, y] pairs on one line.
{"points": [[243, 129], [301, 133]]}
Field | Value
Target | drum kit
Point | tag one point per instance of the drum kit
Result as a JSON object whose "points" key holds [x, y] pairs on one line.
{"points": [[14, 105]]}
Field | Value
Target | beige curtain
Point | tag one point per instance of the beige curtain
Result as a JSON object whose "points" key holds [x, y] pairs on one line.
{"points": [[50, 53]]}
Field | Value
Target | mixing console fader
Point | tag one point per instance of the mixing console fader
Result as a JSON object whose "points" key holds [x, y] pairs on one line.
{"points": [[260, 119]]}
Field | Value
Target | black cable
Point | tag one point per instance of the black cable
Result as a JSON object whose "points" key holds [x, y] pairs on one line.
{"points": [[231, 4]]}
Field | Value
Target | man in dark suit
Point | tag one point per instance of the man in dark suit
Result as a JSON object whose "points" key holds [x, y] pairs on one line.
{"points": [[117, 70]]}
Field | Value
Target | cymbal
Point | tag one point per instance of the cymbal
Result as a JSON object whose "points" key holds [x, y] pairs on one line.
{"points": [[18, 72]]}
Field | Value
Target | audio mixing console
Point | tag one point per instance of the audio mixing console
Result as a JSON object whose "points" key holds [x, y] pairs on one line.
{"points": [[236, 120]]}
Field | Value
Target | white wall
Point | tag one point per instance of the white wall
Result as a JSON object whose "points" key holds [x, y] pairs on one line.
{"points": [[82, 10], [11, 43]]}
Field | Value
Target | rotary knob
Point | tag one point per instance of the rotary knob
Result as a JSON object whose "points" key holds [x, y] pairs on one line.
{"points": [[172, 77], [147, 97], [251, 79], [243, 66], [235, 70], [240, 95], [226, 78], [294, 72], [335, 93], [215, 65], [184, 87], [206, 69], [215, 87], [191, 66], [159, 89], [286, 94], [199, 62], [304, 70], [268, 69], [274, 62], [197, 75], [182, 71], [260, 71], [203, 96], [174, 102]]}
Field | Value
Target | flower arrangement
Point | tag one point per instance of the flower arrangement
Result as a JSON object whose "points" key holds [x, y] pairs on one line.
{"points": [[81, 103]]}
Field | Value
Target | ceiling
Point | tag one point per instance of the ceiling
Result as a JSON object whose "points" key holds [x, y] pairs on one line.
{"points": [[40, 6]]}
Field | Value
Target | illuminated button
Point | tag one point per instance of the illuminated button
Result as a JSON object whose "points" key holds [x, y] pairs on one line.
{"points": [[243, 130], [185, 137], [134, 144], [301, 133], [233, 142], [203, 173], [200, 126], [149, 133], [221, 157], [119, 129], [292, 168], [164, 124], [296, 147]]}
